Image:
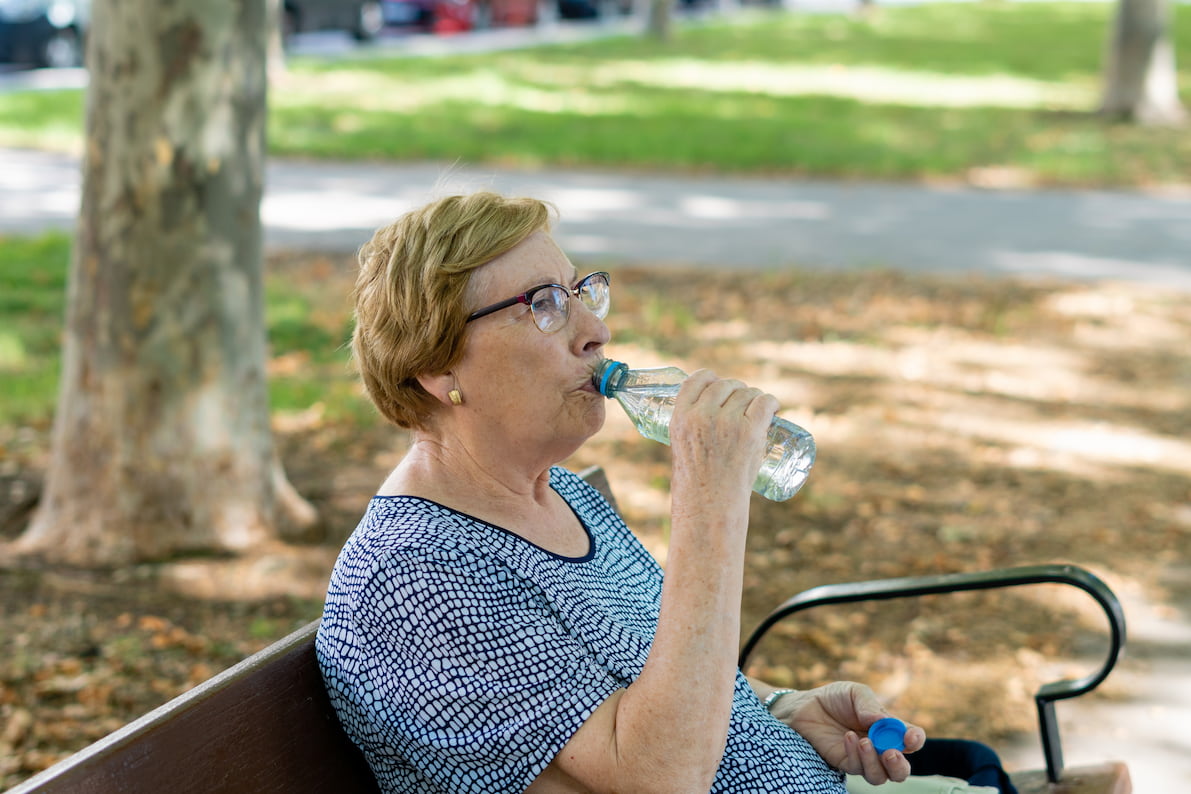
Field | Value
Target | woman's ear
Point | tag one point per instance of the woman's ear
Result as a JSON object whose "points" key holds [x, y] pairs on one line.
{"points": [[443, 387]]}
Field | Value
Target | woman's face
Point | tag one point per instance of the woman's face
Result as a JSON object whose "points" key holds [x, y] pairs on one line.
{"points": [[525, 389]]}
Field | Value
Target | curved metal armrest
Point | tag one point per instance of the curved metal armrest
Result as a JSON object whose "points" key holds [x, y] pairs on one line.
{"points": [[906, 587]]}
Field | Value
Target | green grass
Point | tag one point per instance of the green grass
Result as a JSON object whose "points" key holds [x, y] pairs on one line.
{"points": [[32, 300], [930, 91], [41, 119], [307, 328]]}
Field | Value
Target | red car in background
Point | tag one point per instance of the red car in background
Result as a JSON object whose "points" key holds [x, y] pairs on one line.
{"points": [[454, 16]]}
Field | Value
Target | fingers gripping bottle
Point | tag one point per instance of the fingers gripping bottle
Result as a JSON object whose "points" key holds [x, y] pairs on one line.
{"points": [[647, 396]]}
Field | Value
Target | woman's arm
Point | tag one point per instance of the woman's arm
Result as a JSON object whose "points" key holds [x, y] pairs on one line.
{"points": [[668, 730]]}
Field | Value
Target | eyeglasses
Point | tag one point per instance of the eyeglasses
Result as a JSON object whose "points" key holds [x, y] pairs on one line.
{"points": [[550, 303]]}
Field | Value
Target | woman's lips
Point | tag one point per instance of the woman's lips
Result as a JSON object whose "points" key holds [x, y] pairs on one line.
{"points": [[588, 384]]}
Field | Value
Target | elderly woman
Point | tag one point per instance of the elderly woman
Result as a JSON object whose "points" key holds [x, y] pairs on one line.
{"points": [[492, 625]]}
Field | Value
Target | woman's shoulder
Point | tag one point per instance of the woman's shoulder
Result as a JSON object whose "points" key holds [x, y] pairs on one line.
{"points": [[402, 519], [407, 527], [562, 476], [412, 545], [576, 490]]}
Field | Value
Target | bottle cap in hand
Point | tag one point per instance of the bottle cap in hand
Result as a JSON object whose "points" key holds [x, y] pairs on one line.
{"points": [[888, 733]]}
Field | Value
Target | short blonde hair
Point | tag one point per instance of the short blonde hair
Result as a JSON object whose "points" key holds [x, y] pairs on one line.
{"points": [[411, 292]]}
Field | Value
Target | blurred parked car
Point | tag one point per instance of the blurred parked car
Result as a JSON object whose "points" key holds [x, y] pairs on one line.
{"points": [[44, 32], [504, 13], [590, 9], [362, 18], [451, 16], [578, 9], [409, 14]]}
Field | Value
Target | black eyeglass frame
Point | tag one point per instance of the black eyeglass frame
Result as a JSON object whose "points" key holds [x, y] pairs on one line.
{"points": [[526, 297]]}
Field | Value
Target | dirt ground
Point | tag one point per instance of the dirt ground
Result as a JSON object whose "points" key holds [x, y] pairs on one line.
{"points": [[962, 424]]}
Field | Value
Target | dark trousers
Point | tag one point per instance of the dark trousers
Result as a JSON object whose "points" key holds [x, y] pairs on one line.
{"points": [[970, 761]]}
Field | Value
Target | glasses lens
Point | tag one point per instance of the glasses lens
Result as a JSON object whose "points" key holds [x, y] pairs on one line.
{"points": [[596, 294], [549, 307]]}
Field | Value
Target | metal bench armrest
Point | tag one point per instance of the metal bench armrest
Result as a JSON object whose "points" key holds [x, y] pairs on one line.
{"points": [[913, 586]]}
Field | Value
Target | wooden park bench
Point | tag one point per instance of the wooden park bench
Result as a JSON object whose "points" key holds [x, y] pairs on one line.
{"points": [[267, 725]]}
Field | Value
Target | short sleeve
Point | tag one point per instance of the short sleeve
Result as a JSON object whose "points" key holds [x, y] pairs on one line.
{"points": [[466, 673]]}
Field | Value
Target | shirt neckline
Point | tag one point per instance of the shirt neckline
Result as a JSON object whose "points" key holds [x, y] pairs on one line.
{"points": [[591, 541]]}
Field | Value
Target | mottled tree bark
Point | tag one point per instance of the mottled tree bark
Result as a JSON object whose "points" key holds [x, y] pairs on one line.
{"points": [[161, 442]]}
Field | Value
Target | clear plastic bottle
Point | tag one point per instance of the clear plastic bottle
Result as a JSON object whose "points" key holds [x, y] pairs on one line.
{"points": [[647, 396]]}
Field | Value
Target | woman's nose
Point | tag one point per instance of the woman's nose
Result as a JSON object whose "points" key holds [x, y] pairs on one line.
{"points": [[592, 333]]}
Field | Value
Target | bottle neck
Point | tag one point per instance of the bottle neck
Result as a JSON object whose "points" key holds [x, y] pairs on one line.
{"points": [[609, 377]]}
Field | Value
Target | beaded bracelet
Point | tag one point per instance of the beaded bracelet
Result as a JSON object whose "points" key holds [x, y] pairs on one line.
{"points": [[772, 697]]}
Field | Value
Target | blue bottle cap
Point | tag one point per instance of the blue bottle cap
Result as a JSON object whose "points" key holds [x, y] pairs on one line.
{"points": [[605, 373], [888, 733]]}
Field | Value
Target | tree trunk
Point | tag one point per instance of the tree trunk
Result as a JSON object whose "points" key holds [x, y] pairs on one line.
{"points": [[1141, 82], [161, 442], [275, 26], [658, 23]]}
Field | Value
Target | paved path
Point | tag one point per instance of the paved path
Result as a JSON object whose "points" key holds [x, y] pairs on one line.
{"points": [[730, 223]]}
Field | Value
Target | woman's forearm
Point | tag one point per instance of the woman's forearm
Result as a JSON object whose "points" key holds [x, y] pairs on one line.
{"points": [[667, 731], [677, 712]]}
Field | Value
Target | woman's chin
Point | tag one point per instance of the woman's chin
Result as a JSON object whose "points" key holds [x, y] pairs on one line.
{"points": [[593, 417]]}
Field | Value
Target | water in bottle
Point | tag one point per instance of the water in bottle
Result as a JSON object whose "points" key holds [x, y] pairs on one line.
{"points": [[647, 396]]}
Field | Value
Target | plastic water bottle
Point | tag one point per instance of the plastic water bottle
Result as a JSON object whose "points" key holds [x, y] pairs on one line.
{"points": [[647, 396]]}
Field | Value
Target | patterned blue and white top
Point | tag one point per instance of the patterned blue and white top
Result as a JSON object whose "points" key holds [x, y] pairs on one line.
{"points": [[461, 658]]}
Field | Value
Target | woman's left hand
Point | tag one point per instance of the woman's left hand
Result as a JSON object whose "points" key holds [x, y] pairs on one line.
{"points": [[835, 720]]}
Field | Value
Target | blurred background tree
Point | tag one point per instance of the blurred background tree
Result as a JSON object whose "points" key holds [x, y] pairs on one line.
{"points": [[1141, 81], [659, 22], [161, 441]]}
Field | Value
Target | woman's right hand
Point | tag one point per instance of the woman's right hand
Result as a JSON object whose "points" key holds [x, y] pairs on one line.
{"points": [[717, 436]]}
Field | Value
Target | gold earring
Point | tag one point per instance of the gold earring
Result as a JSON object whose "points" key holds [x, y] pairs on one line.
{"points": [[456, 397]]}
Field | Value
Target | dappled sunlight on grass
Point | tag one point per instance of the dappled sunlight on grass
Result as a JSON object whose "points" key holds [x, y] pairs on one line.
{"points": [[369, 91], [862, 83], [978, 92], [49, 120], [973, 92]]}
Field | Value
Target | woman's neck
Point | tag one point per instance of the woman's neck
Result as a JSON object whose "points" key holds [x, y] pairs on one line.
{"points": [[521, 502], [431, 465]]}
